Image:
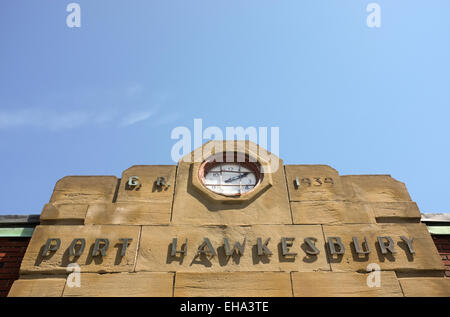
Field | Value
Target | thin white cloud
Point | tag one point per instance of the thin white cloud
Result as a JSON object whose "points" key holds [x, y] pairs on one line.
{"points": [[49, 117], [13, 119], [51, 120], [138, 116], [69, 120], [135, 117]]}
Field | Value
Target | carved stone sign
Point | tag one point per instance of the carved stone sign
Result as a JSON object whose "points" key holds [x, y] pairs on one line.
{"points": [[217, 228], [335, 247], [185, 248]]}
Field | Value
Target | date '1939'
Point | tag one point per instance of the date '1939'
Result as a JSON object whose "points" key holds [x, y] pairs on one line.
{"points": [[313, 181]]}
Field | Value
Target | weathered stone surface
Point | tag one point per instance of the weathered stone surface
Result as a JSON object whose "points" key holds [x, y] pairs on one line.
{"points": [[131, 213], [38, 286], [374, 188], [237, 284], [269, 204], [317, 182], [323, 205], [190, 207], [395, 211], [426, 287], [156, 242], [56, 262], [343, 284], [64, 213], [426, 256], [123, 285], [148, 191], [84, 189], [330, 212]]}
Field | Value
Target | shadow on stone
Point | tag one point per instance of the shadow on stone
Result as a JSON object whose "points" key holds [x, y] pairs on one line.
{"points": [[259, 258], [383, 257], [308, 258], [405, 248], [358, 257], [202, 259], [178, 258], [40, 258], [97, 259], [336, 258], [282, 258]]}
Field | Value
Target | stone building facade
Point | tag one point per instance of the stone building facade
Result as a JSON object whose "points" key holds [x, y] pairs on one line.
{"points": [[243, 226]]}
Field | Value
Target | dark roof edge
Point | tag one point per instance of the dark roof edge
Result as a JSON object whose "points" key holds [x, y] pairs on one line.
{"points": [[435, 217], [19, 219]]}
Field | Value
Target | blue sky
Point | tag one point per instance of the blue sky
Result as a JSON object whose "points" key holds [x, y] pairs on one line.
{"points": [[97, 99]]}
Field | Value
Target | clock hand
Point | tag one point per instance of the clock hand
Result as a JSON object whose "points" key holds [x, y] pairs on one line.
{"points": [[236, 177]]}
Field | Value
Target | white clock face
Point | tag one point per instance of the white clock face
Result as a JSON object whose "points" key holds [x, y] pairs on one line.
{"points": [[230, 179]]}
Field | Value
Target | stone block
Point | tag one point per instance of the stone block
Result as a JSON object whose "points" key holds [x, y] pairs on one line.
{"points": [[192, 207], [395, 211], [122, 285], [56, 262], [63, 214], [147, 190], [131, 213], [330, 212], [426, 256], [344, 284], [237, 284], [426, 287], [156, 245], [316, 183], [38, 286], [375, 188], [84, 189]]}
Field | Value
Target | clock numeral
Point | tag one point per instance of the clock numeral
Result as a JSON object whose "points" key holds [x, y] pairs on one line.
{"points": [[230, 179]]}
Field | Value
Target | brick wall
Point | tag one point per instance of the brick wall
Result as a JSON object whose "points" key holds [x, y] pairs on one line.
{"points": [[12, 251], [443, 245]]}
